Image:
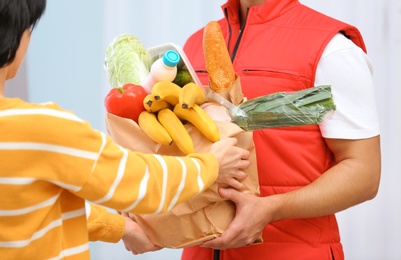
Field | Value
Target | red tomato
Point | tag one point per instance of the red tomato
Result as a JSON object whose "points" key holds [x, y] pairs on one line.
{"points": [[126, 101]]}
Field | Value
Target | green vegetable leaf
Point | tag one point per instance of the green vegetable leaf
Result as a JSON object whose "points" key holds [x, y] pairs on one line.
{"points": [[126, 61], [304, 107]]}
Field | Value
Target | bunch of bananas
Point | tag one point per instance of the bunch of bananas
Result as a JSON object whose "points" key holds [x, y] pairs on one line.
{"points": [[168, 107]]}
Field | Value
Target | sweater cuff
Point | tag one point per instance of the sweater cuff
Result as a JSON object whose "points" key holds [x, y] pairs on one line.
{"points": [[104, 225]]}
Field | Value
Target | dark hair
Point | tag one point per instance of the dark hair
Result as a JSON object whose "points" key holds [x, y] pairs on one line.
{"points": [[15, 17]]}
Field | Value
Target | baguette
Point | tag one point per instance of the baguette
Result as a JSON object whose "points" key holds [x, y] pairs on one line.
{"points": [[217, 58]]}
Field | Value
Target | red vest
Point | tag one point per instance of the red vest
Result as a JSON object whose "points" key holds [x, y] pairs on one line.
{"points": [[279, 50]]}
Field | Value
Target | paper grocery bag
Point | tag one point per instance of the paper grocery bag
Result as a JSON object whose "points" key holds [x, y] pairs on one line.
{"points": [[234, 93], [206, 215]]}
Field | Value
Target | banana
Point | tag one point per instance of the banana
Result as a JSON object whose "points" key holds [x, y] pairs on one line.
{"points": [[200, 119], [168, 91], [191, 94], [153, 105], [149, 124], [177, 130]]}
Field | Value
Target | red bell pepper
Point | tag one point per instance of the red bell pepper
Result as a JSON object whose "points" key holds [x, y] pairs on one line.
{"points": [[126, 101]]}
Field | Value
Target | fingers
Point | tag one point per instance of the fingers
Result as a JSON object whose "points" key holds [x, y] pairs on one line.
{"points": [[235, 184], [233, 237], [214, 243], [224, 193], [223, 242], [240, 175], [244, 160], [244, 154], [228, 141], [229, 194], [243, 164], [232, 140], [233, 180], [233, 160]]}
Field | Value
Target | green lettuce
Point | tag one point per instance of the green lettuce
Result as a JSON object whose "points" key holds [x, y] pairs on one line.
{"points": [[126, 61]]}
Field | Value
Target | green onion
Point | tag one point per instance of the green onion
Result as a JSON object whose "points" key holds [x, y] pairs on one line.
{"points": [[280, 109]]}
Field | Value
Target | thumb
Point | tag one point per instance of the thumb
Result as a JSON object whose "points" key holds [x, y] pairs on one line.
{"points": [[231, 141], [229, 194]]}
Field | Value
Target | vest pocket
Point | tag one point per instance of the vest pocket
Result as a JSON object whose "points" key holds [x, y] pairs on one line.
{"points": [[203, 76], [263, 81]]}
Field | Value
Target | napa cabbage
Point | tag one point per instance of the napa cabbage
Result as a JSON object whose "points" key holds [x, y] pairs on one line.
{"points": [[126, 61]]}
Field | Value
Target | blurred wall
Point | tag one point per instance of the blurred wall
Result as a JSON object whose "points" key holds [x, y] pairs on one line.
{"points": [[372, 230], [65, 64]]}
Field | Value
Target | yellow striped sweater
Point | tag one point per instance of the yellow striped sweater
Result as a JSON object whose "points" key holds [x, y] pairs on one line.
{"points": [[51, 161]]}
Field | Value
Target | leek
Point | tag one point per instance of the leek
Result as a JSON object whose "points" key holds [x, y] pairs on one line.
{"points": [[281, 109]]}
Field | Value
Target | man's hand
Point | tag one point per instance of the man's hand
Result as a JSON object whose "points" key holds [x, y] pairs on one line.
{"points": [[352, 180], [250, 219]]}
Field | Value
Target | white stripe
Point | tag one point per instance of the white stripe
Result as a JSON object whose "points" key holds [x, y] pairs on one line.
{"points": [[76, 188], [88, 210], [100, 150], [41, 111], [27, 181], [36, 235], [49, 148], [73, 214], [71, 251], [40, 233], [120, 174], [17, 181], [164, 184], [17, 212], [201, 185], [142, 191], [180, 186], [67, 186]]}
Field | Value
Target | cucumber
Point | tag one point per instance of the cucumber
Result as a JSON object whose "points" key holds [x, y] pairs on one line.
{"points": [[183, 77]]}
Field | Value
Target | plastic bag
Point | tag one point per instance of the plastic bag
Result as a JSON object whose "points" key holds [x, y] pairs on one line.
{"points": [[280, 109]]}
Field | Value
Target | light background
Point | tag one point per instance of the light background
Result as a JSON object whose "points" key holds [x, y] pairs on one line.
{"points": [[65, 64]]}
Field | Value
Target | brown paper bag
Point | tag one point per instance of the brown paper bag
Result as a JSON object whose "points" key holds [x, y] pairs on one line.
{"points": [[206, 215], [234, 93]]}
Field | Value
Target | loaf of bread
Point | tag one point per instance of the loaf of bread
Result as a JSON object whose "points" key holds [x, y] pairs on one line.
{"points": [[217, 58]]}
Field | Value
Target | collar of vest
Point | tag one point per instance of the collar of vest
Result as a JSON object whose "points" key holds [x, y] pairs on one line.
{"points": [[272, 9], [267, 11]]}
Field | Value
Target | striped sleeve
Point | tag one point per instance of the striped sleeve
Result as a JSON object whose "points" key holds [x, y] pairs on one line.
{"points": [[66, 151], [52, 161], [145, 183]]}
